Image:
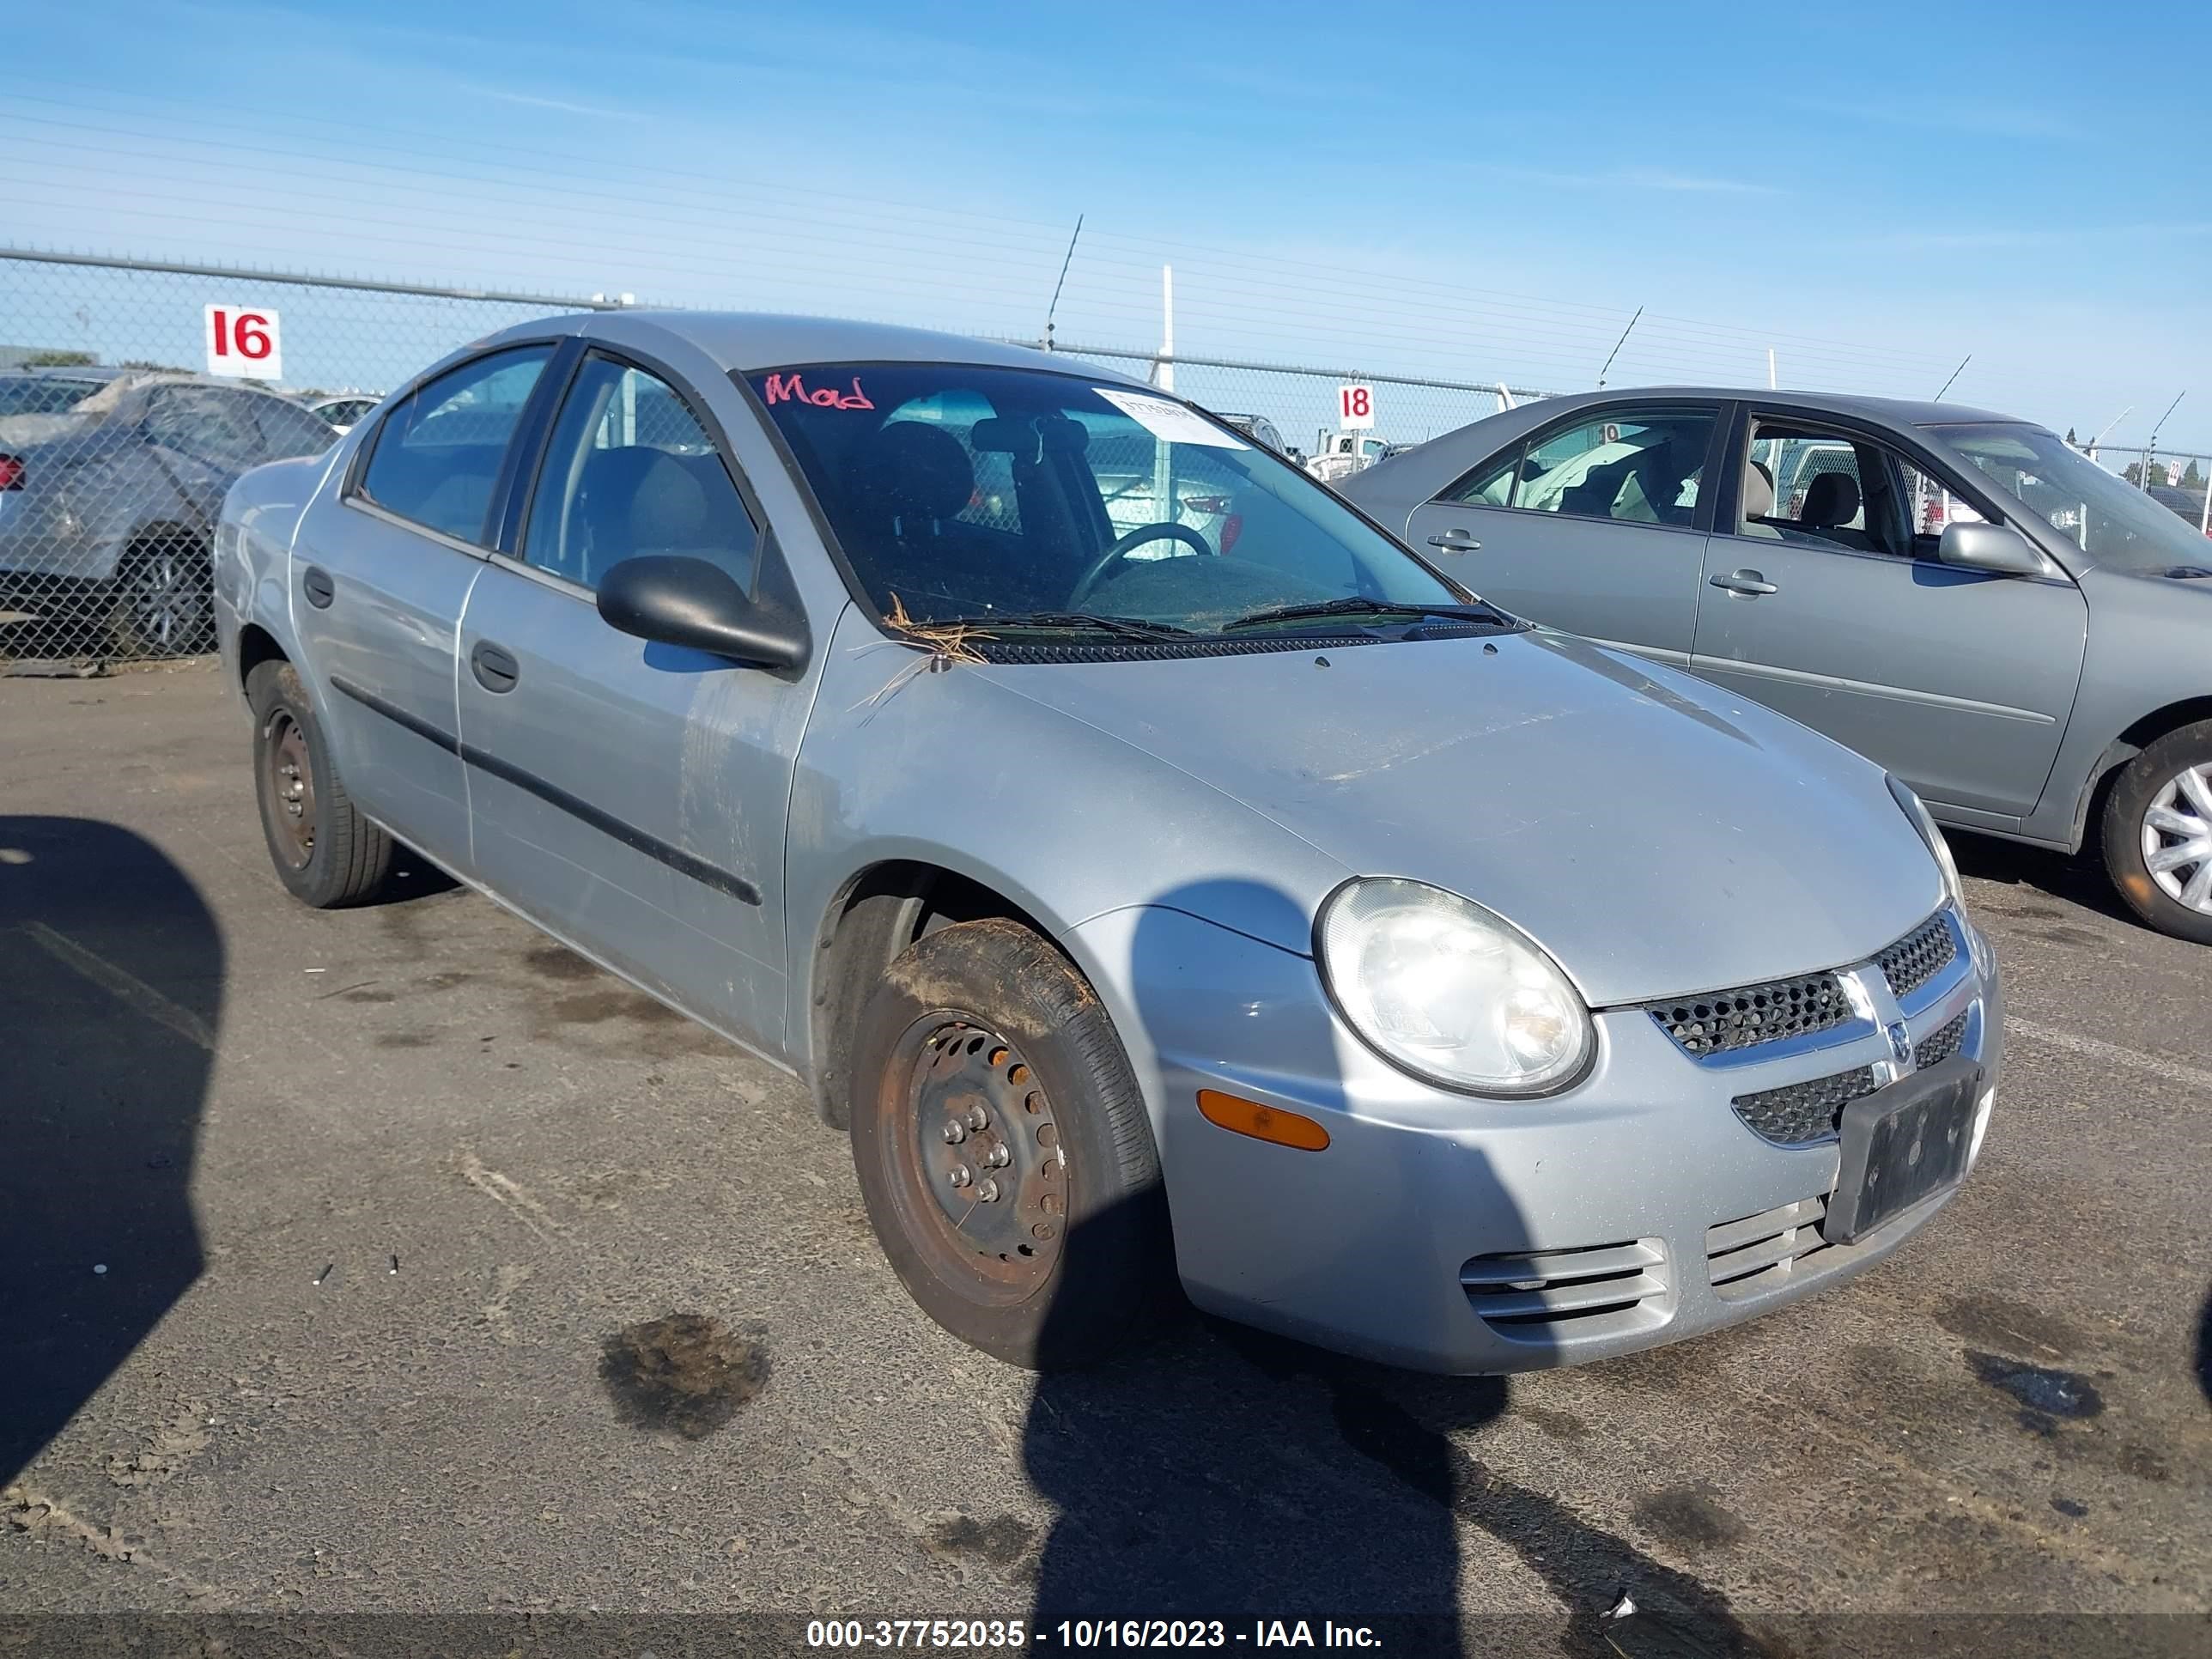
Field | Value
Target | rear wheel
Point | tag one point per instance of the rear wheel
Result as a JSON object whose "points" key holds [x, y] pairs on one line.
{"points": [[1003, 1149], [163, 598], [326, 853], [2158, 833]]}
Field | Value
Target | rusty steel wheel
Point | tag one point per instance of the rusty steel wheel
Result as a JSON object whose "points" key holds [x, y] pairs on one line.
{"points": [[287, 789], [1002, 1149], [325, 851], [984, 1176]]}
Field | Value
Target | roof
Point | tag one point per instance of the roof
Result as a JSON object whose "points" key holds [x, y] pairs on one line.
{"points": [[749, 341], [1898, 411]]}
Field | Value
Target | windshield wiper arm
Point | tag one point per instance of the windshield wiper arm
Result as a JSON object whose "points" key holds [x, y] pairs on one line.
{"points": [[1135, 627], [1357, 605]]}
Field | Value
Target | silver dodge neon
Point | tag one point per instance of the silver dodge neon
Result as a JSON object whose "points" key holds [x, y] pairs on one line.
{"points": [[1227, 897]]}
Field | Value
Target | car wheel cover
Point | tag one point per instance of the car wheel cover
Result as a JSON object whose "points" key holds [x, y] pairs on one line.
{"points": [[165, 607], [2177, 838]]}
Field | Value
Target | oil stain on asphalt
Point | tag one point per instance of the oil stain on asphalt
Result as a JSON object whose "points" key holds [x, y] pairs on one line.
{"points": [[683, 1374], [2046, 1395]]}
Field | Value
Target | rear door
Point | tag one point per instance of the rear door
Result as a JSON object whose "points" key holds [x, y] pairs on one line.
{"points": [[631, 797], [1596, 524], [1827, 601], [378, 578]]}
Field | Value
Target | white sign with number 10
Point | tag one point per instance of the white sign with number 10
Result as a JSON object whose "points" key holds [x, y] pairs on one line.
{"points": [[244, 342], [1355, 407]]}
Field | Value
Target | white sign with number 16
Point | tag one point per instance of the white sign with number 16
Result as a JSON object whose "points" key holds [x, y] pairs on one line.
{"points": [[244, 342]]}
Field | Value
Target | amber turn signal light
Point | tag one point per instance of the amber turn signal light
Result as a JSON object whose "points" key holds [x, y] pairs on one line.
{"points": [[1249, 1117]]}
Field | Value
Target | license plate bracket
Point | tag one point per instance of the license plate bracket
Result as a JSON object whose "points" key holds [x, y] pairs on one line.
{"points": [[1901, 1144]]}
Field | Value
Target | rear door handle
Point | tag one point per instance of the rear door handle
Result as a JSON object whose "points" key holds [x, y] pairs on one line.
{"points": [[1457, 541], [494, 669], [315, 582], [1746, 584]]}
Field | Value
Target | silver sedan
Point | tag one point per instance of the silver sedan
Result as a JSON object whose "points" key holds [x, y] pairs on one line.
{"points": [[1277, 917]]}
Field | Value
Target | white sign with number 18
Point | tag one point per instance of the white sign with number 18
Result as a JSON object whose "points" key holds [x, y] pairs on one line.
{"points": [[1355, 407], [244, 342]]}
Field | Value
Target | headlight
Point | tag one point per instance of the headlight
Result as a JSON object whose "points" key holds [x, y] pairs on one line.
{"points": [[1449, 992], [1934, 837]]}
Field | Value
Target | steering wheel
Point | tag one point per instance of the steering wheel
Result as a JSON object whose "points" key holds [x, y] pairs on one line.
{"points": [[1122, 549]]}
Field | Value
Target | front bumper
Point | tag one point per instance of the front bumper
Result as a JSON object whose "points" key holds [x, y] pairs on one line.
{"points": [[1468, 1236]]}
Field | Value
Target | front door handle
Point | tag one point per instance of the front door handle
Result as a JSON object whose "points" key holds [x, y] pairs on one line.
{"points": [[1745, 584], [494, 668], [315, 582], [1456, 541]]}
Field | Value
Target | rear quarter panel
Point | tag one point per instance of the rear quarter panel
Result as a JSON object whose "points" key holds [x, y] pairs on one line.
{"points": [[261, 514]]}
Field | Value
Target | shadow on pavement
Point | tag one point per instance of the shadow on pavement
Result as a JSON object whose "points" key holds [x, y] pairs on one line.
{"points": [[1225, 1473], [2076, 879], [112, 980]]}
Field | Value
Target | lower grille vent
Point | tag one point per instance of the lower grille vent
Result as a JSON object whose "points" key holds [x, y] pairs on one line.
{"points": [[1761, 1251], [1544, 1295]]}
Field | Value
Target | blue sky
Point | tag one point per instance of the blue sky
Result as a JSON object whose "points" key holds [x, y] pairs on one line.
{"points": [[1481, 191]]}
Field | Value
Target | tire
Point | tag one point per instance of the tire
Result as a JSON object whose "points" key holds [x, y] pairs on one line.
{"points": [[2169, 784], [326, 853], [162, 599], [982, 1042]]}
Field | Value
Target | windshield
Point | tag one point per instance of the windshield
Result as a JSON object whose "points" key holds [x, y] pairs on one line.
{"points": [[959, 491], [2117, 524]]}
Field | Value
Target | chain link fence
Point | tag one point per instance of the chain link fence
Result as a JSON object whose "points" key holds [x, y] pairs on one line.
{"points": [[2174, 479], [117, 445]]}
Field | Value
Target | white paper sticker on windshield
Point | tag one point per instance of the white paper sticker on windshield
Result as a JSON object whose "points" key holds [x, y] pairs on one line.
{"points": [[1170, 420]]}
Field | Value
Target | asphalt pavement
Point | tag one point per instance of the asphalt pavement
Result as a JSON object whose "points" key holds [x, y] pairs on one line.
{"points": [[397, 1259]]}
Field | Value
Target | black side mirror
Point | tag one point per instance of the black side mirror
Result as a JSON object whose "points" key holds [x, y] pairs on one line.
{"points": [[1996, 548], [690, 602]]}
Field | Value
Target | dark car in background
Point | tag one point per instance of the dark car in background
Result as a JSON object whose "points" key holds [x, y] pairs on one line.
{"points": [[110, 484], [1959, 595], [2186, 501]]}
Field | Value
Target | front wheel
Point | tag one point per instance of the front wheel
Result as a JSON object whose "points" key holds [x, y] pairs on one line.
{"points": [[326, 853], [2158, 834], [1003, 1149]]}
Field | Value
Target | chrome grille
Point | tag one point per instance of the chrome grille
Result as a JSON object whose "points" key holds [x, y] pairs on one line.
{"points": [[1759, 1251], [1919, 956], [1939, 1046], [1799, 1113], [1723, 1020]]}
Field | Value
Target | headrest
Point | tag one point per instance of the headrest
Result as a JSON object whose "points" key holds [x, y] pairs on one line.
{"points": [[1758, 492], [670, 508], [1029, 439], [912, 469], [1832, 499]]}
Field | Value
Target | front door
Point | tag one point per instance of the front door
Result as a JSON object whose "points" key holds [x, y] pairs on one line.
{"points": [[630, 797], [1825, 599], [378, 587], [1597, 527]]}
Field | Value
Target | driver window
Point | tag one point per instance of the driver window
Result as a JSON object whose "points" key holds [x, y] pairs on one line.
{"points": [[1820, 487], [630, 471]]}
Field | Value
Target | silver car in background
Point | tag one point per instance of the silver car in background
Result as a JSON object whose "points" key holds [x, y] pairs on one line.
{"points": [[1280, 917], [1962, 597], [110, 483]]}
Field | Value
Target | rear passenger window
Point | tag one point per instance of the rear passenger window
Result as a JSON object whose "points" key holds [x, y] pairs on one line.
{"points": [[1644, 467], [631, 471], [438, 453]]}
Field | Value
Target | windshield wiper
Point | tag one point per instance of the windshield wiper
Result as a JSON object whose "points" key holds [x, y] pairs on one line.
{"points": [[1359, 605], [1076, 620]]}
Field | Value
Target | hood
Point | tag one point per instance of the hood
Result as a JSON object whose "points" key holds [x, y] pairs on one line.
{"points": [[1656, 834]]}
